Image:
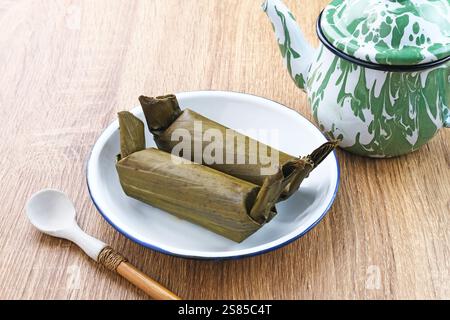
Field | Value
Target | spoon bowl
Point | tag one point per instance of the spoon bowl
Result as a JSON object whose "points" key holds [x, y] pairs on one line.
{"points": [[50, 211]]}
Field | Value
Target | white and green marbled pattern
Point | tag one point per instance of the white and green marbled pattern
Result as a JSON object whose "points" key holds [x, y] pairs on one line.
{"points": [[392, 32], [377, 113], [374, 113]]}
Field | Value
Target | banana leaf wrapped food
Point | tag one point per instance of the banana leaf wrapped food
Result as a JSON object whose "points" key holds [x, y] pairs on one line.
{"points": [[224, 204], [164, 118]]}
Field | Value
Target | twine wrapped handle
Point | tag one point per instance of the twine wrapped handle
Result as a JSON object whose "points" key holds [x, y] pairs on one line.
{"points": [[114, 261], [110, 258]]}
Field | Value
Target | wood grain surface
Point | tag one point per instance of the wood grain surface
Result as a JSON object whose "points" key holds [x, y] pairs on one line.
{"points": [[67, 67]]}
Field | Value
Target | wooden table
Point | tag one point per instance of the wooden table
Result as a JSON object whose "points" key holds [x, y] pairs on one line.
{"points": [[67, 67]]}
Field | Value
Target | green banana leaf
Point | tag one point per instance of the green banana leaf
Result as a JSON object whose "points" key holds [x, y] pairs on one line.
{"points": [[164, 117], [229, 206]]}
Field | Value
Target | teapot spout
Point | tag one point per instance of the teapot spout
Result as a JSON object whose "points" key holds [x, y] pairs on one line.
{"points": [[296, 51]]}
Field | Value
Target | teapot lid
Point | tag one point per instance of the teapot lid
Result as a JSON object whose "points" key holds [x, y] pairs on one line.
{"points": [[404, 33]]}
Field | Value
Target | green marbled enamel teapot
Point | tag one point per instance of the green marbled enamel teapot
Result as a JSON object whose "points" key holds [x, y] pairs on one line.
{"points": [[380, 79]]}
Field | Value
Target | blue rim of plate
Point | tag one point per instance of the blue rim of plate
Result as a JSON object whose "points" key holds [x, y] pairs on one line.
{"points": [[247, 255]]}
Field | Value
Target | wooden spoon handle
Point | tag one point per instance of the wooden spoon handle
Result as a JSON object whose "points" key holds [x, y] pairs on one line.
{"points": [[114, 261], [145, 283]]}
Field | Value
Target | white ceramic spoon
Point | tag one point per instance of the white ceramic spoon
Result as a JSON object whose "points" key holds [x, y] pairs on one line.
{"points": [[52, 212]]}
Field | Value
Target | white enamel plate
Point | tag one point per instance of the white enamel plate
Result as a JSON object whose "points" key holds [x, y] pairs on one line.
{"points": [[161, 231]]}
